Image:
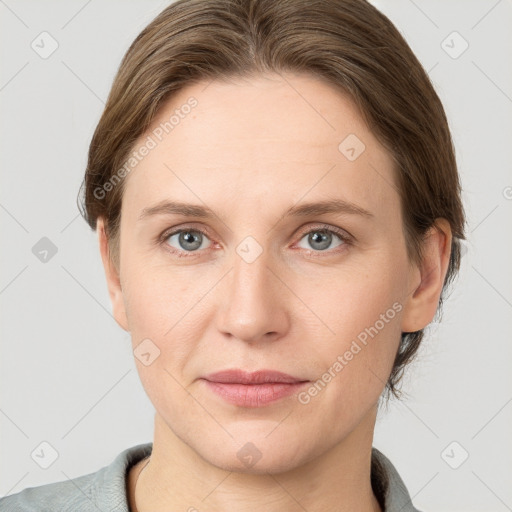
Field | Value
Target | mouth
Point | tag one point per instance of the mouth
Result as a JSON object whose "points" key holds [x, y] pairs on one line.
{"points": [[254, 389], [237, 376]]}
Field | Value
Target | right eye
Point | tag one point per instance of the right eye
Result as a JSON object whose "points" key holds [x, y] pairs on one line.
{"points": [[185, 240]]}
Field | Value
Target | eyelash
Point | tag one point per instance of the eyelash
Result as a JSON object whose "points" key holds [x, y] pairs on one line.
{"points": [[342, 235]]}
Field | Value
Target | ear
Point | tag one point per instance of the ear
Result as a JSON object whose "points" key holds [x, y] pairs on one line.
{"points": [[113, 278], [427, 279]]}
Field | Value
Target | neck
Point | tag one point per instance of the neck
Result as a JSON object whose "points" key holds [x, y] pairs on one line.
{"points": [[177, 478]]}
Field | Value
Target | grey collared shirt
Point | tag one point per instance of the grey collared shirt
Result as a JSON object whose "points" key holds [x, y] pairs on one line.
{"points": [[105, 489]]}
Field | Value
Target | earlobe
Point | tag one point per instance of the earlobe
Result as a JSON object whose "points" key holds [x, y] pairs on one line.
{"points": [[427, 279], [112, 277]]}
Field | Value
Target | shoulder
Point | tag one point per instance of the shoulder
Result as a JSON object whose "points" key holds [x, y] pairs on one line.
{"points": [[396, 495], [56, 497], [104, 489]]}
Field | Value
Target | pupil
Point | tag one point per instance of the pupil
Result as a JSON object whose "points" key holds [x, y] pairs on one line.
{"points": [[320, 237], [189, 238]]}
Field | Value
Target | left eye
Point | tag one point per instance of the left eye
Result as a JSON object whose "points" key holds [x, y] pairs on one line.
{"points": [[321, 239]]}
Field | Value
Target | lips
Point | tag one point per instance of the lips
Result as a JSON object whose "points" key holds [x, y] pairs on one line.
{"points": [[256, 389], [237, 376]]}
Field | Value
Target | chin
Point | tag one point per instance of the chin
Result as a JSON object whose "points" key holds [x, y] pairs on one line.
{"points": [[275, 463], [258, 455]]}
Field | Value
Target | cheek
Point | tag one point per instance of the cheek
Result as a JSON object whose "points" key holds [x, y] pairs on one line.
{"points": [[166, 320], [352, 299], [361, 318], [162, 336], [356, 361], [156, 298]]}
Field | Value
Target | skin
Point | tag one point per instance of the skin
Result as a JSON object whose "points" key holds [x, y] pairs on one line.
{"points": [[249, 150]]}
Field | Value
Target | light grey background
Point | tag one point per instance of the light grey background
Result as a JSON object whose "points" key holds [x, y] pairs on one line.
{"points": [[67, 373]]}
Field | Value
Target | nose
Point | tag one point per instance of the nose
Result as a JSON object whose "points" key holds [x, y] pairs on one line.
{"points": [[254, 302]]}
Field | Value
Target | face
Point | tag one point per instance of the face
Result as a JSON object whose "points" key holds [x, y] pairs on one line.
{"points": [[320, 294]]}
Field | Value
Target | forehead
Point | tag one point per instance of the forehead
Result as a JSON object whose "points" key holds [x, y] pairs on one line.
{"points": [[261, 142]]}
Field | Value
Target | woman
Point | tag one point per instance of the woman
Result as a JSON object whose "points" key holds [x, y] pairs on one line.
{"points": [[278, 207]]}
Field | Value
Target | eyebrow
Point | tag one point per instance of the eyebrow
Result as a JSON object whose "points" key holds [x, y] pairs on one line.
{"points": [[305, 209]]}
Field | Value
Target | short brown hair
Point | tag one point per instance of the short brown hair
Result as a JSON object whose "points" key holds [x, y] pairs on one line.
{"points": [[348, 43]]}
